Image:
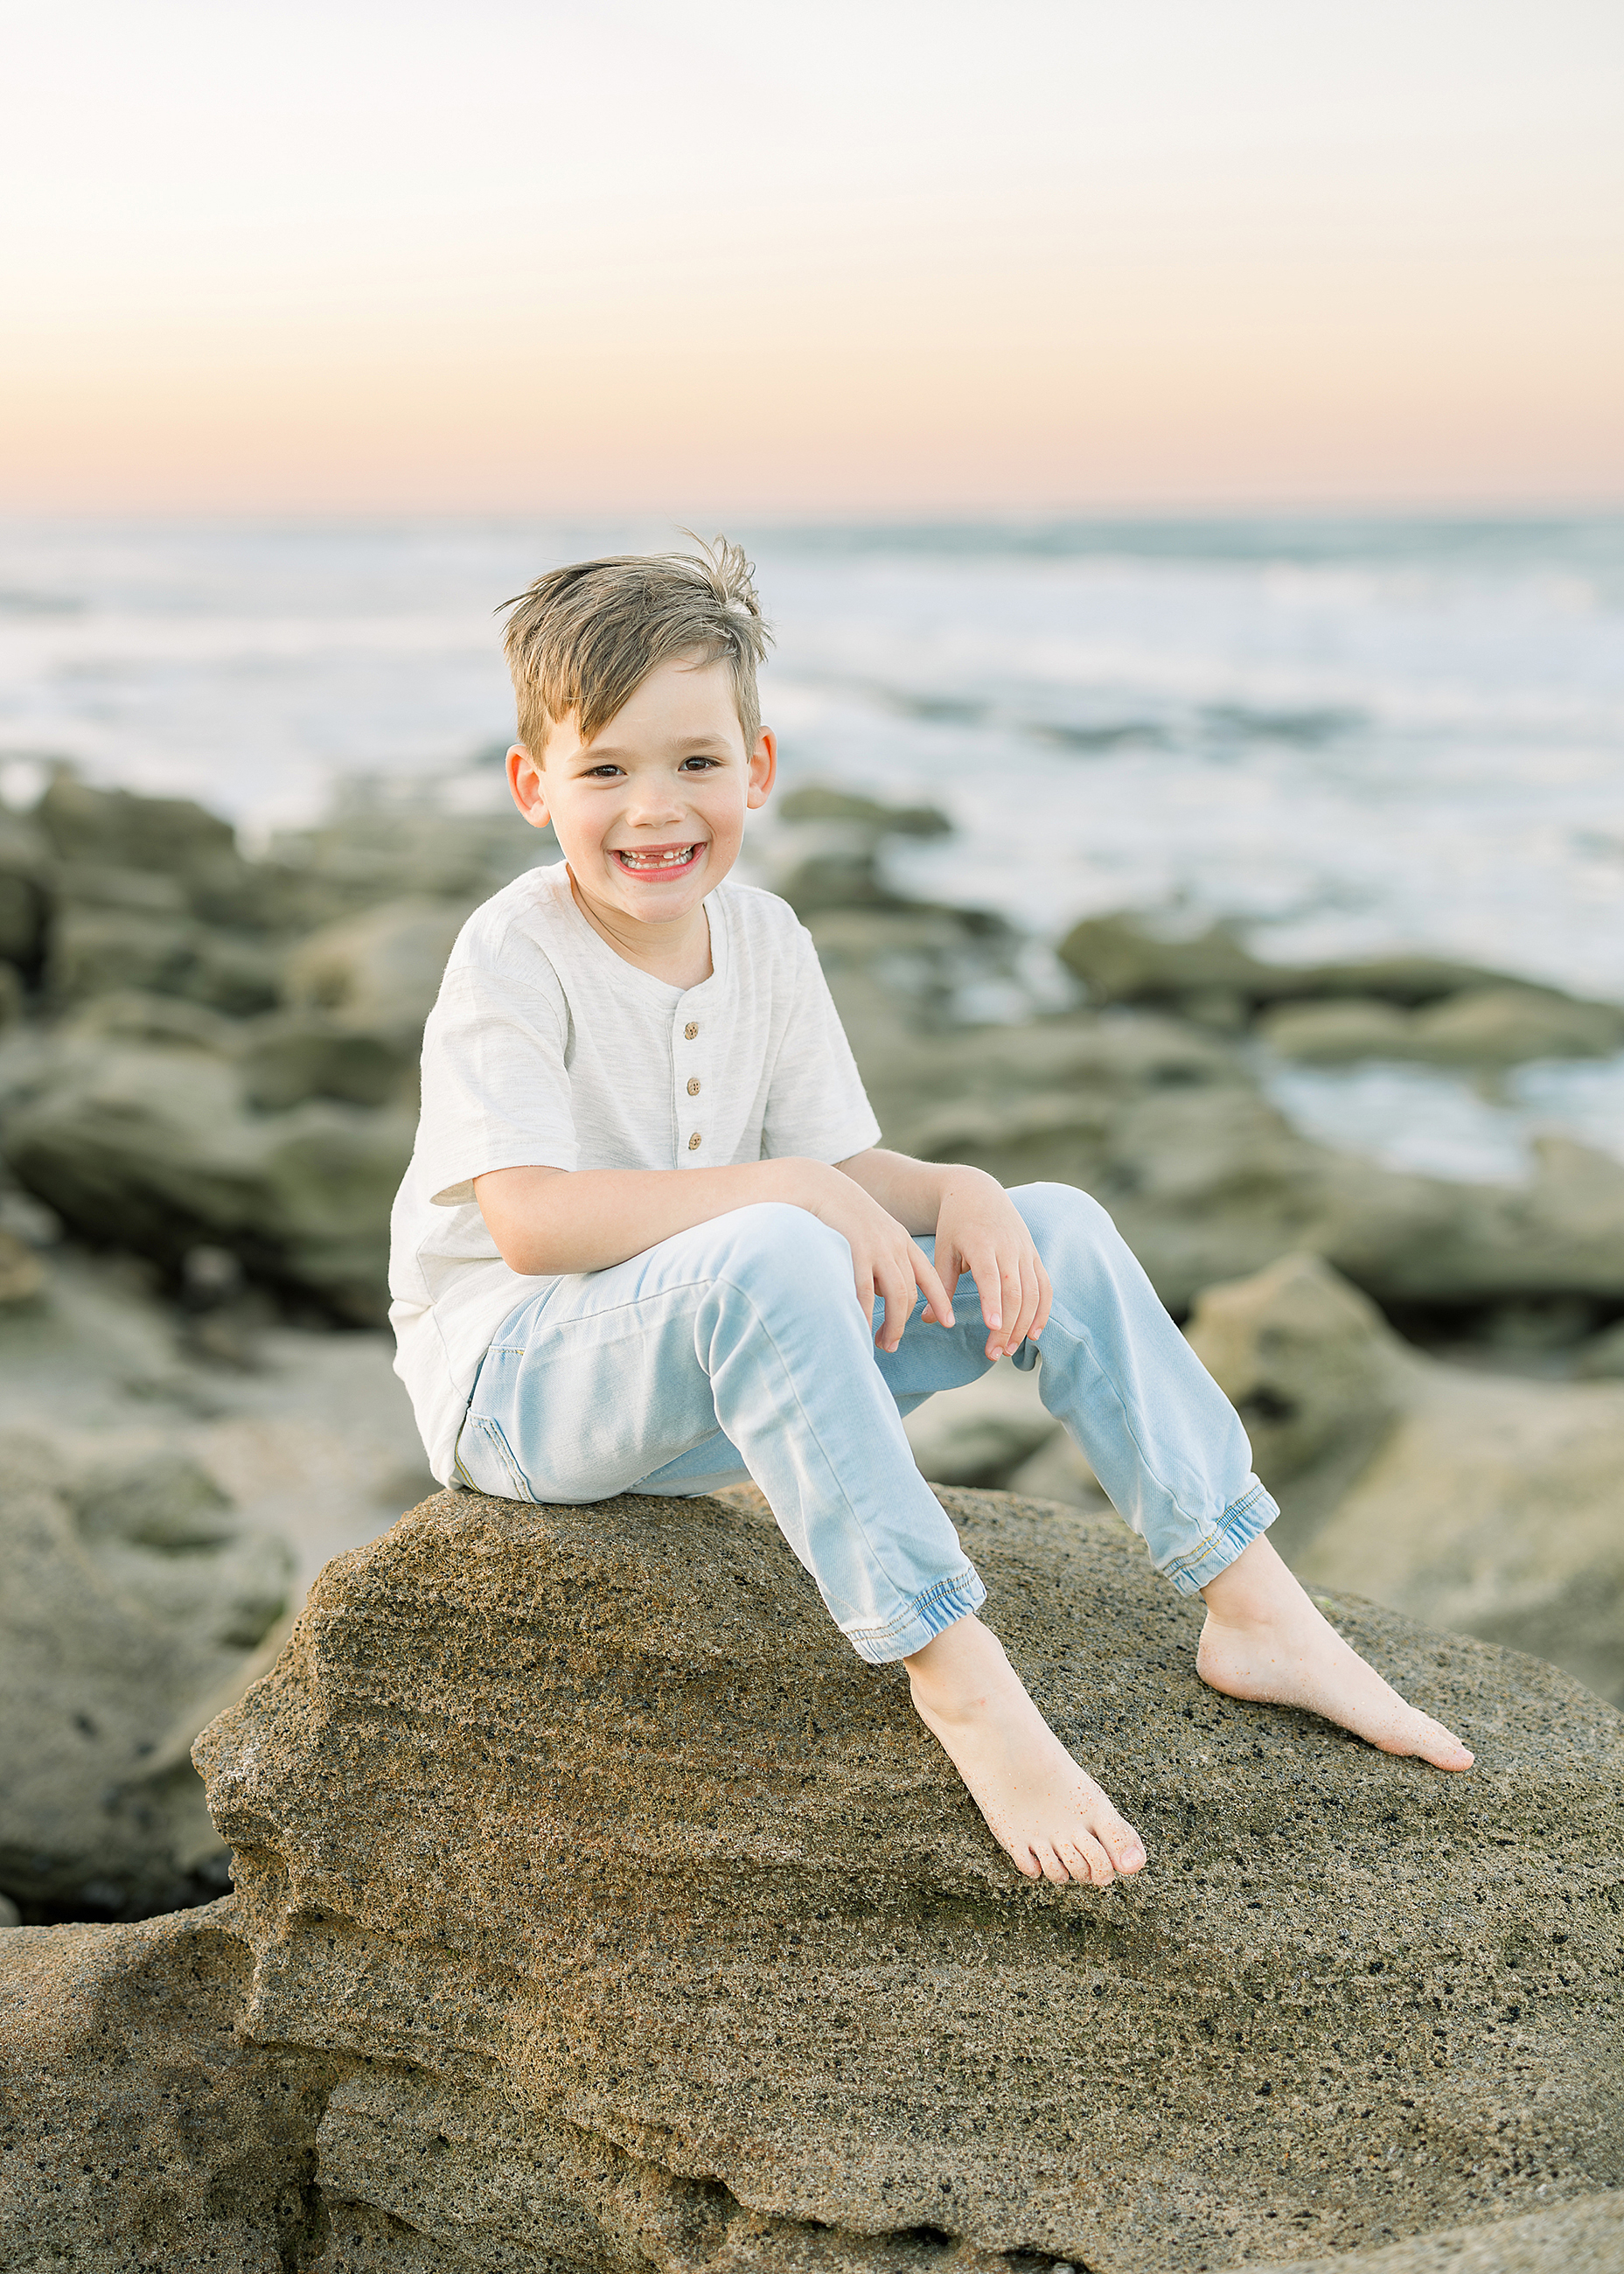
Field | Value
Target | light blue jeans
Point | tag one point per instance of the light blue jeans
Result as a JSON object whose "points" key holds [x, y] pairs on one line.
{"points": [[736, 1350]]}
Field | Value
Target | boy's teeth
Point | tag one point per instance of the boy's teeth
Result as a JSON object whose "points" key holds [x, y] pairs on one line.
{"points": [[658, 860]]}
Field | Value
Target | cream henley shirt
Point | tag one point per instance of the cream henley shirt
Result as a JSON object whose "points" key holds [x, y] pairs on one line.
{"points": [[546, 1049]]}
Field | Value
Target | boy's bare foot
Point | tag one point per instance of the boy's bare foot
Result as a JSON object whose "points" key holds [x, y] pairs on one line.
{"points": [[1264, 1640], [1052, 1819]]}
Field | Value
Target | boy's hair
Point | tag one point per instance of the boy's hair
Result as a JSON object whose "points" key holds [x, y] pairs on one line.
{"points": [[584, 638]]}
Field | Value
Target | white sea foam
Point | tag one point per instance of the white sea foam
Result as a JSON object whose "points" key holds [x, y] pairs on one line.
{"points": [[1352, 737]]}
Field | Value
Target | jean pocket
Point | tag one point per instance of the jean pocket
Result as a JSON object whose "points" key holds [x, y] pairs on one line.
{"points": [[486, 1459]]}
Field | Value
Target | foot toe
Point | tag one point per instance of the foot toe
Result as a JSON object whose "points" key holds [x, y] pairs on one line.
{"points": [[1054, 1864], [1443, 1748], [1090, 1865], [1122, 1843]]}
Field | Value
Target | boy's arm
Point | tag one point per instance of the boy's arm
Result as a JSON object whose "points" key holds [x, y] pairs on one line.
{"points": [[977, 1229], [566, 1220]]}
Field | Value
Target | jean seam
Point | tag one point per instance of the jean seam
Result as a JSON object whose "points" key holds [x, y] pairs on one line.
{"points": [[1080, 1336], [488, 1422], [1227, 1523], [955, 1585], [860, 1527]]}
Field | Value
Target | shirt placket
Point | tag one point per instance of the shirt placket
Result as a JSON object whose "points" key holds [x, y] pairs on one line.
{"points": [[690, 1059]]}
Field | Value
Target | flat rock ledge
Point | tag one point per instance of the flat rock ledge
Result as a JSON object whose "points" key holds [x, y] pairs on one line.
{"points": [[598, 1909]]}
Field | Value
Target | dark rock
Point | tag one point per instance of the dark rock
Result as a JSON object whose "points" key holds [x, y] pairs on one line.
{"points": [[26, 893], [133, 1603], [156, 1151], [100, 950], [120, 829], [820, 802], [1475, 1016], [1479, 1027]]}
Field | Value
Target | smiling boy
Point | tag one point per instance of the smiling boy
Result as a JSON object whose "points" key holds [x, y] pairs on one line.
{"points": [[649, 1238]]}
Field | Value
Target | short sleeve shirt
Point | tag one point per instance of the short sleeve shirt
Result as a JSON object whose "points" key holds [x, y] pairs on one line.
{"points": [[546, 1049]]}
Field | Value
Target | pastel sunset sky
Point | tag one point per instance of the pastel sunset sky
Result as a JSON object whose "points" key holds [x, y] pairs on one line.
{"points": [[856, 257]]}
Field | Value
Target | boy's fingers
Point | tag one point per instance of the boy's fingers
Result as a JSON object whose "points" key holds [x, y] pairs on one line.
{"points": [[1010, 1303], [1029, 1298], [939, 1303], [889, 1284], [1046, 1297], [983, 1268]]}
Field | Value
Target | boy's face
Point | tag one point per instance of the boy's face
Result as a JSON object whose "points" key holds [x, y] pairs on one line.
{"points": [[651, 814]]}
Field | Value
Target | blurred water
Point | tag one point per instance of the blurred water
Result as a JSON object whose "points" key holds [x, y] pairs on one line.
{"points": [[1354, 736]]}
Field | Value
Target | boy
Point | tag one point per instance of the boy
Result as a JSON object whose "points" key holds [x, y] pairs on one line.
{"points": [[649, 1239]]}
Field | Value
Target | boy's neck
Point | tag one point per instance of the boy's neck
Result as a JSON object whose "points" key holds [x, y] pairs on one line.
{"points": [[678, 952]]}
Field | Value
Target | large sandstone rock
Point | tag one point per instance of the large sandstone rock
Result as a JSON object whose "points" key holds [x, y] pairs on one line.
{"points": [[599, 1910], [137, 2130], [1474, 1501], [133, 1601]]}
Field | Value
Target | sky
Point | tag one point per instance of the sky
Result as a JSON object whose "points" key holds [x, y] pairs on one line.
{"points": [[909, 257]]}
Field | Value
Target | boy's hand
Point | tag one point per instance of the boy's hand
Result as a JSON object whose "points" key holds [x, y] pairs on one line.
{"points": [[980, 1231], [887, 1263]]}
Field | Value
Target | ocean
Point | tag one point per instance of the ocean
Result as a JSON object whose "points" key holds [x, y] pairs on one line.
{"points": [[1348, 735]]}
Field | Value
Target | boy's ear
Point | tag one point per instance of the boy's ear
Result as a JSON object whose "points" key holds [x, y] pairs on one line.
{"points": [[528, 785], [764, 768]]}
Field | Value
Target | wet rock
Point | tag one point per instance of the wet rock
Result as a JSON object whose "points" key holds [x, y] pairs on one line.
{"points": [[96, 951], [821, 802], [132, 1014], [133, 1600], [1208, 1181], [372, 849], [1602, 1357], [1479, 1501], [157, 1150], [122, 830], [303, 1054], [26, 892], [1122, 959], [22, 1274], [1480, 1026], [1307, 1361], [377, 973]]}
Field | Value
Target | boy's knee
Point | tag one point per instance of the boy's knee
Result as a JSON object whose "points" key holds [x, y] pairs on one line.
{"points": [[1059, 1216], [773, 1245]]}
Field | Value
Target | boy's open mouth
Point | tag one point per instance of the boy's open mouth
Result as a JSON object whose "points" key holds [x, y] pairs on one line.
{"points": [[658, 860]]}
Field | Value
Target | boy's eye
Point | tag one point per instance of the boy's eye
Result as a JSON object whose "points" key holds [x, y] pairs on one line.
{"points": [[602, 773], [698, 764]]}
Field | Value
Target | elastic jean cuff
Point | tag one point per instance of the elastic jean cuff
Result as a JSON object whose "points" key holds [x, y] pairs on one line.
{"points": [[939, 1607], [1239, 1527]]}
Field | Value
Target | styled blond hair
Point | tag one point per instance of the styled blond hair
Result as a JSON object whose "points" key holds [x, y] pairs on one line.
{"points": [[584, 638]]}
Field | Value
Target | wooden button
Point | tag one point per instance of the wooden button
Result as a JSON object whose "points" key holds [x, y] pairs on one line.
{"points": [[689, 1032], [693, 1142], [693, 1085]]}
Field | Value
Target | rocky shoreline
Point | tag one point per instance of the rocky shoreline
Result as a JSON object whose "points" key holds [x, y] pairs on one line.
{"points": [[207, 1068]]}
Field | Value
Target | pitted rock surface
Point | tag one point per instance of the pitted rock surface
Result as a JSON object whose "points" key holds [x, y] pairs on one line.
{"points": [[605, 1912], [589, 1809]]}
